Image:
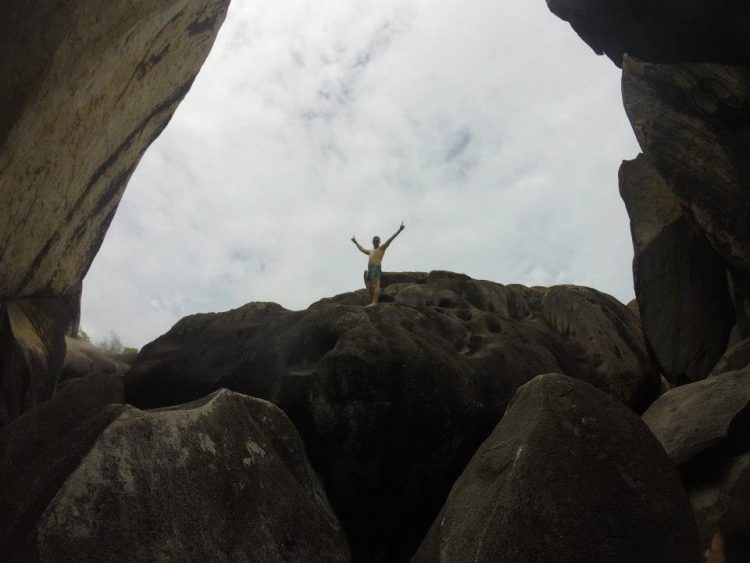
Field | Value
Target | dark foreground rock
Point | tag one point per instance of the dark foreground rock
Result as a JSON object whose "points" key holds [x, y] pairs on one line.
{"points": [[568, 475], [40, 449], [691, 122], [32, 351], [392, 401], [222, 479], [666, 31], [705, 429], [683, 296]]}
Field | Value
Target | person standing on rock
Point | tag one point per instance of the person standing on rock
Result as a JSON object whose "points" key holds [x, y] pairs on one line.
{"points": [[374, 261]]}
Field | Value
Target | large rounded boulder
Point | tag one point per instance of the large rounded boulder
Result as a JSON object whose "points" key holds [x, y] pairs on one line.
{"points": [[569, 474], [705, 429], [224, 478]]}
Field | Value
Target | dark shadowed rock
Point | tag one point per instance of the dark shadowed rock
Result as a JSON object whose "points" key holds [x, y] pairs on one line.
{"points": [[393, 400], [735, 358], [680, 281], [690, 419], [666, 31], [691, 122], [705, 429], [718, 490], [39, 449], [569, 474], [32, 350], [221, 479]]}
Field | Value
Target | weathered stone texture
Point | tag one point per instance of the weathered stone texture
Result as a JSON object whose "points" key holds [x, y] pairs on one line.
{"points": [[692, 122], [38, 451], [32, 350], [569, 474], [393, 400], [680, 281], [222, 479], [705, 429], [85, 87]]}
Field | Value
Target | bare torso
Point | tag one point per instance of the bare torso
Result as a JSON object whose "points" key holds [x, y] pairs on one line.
{"points": [[375, 256]]}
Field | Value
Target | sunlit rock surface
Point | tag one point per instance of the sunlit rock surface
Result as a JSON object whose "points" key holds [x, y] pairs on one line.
{"points": [[85, 87], [569, 474], [393, 400], [84, 90]]}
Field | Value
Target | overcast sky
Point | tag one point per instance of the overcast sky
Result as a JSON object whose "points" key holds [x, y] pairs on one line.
{"points": [[489, 127]]}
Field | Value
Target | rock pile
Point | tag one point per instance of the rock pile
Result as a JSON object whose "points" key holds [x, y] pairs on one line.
{"points": [[393, 401], [422, 426], [686, 90]]}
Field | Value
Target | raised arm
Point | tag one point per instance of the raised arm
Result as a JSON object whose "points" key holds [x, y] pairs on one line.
{"points": [[362, 250], [390, 240]]}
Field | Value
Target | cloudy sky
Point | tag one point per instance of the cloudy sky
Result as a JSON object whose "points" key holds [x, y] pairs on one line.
{"points": [[489, 127]]}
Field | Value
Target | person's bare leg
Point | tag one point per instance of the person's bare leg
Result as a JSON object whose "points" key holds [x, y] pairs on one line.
{"points": [[368, 284], [375, 284]]}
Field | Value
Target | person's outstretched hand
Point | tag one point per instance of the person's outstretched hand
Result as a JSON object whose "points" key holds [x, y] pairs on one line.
{"points": [[401, 228], [354, 239]]}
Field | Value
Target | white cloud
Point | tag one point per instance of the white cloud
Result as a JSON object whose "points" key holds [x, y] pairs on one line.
{"points": [[490, 128]]}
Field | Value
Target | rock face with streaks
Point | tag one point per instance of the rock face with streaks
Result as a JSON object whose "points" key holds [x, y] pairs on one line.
{"points": [[32, 348], [85, 90], [222, 479], [569, 474], [688, 198], [684, 299], [392, 401], [705, 429], [686, 91], [85, 87]]}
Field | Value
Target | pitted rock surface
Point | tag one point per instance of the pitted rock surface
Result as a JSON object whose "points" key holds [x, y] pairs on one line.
{"points": [[393, 400], [222, 479]]}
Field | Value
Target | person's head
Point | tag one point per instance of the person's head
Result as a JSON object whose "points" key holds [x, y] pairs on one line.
{"points": [[375, 241]]}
